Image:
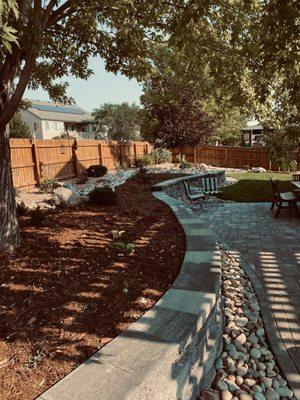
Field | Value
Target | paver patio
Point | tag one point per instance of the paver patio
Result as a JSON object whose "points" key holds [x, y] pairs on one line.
{"points": [[273, 247]]}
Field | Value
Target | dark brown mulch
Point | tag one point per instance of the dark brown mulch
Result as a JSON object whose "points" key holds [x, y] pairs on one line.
{"points": [[68, 290]]}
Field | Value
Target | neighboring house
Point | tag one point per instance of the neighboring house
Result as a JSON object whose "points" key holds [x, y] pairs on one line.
{"points": [[252, 135], [48, 120]]}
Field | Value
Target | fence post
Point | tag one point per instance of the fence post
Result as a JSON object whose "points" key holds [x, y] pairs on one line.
{"points": [[134, 151], [147, 151], [121, 153], [75, 158], [226, 158], [36, 161], [195, 155], [100, 153]]}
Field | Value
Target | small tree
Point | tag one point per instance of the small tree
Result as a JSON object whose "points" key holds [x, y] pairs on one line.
{"points": [[181, 120], [117, 121], [18, 127], [281, 144]]}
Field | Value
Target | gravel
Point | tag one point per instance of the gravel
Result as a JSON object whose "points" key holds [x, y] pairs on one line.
{"points": [[246, 369]]}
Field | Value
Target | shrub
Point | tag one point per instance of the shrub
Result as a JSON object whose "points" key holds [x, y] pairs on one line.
{"points": [[97, 171], [293, 166], [185, 164], [82, 179], [161, 155], [22, 209], [37, 217], [103, 196], [48, 185], [144, 161]]}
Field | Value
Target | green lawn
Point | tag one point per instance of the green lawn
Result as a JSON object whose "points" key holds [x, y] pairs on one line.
{"points": [[253, 187]]}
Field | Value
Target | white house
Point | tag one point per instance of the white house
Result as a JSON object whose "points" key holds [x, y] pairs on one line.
{"points": [[47, 120]]}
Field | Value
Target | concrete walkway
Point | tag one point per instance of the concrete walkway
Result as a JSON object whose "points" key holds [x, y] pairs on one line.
{"points": [[273, 247]]}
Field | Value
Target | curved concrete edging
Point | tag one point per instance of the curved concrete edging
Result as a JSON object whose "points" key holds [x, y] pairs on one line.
{"points": [[169, 352]]}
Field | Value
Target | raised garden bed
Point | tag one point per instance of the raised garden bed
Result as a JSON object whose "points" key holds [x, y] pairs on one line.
{"points": [[69, 290]]}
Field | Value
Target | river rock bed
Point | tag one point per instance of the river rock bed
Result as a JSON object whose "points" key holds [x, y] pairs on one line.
{"points": [[246, 369], [71, 192]]}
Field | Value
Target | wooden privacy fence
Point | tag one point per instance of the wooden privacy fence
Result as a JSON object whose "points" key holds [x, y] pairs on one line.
{"points": [[36, 160], [232, 157]]}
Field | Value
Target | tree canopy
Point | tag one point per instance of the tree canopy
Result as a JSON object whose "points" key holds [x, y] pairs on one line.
{"points": [[171, 69], [56, 38], [117, 121]]}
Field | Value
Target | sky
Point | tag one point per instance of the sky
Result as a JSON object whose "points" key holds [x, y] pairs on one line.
{"points": [[102, 87]]}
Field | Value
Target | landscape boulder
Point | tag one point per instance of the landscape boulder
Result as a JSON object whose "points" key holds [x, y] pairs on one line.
{"points": [[202, 167], [68, 196], [258, 169]]}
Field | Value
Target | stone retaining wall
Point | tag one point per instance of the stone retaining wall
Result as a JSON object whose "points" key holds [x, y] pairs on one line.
{"points": [[169, 353]]}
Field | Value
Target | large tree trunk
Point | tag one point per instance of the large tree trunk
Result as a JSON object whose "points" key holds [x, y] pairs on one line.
{"points": [[9, 228]]}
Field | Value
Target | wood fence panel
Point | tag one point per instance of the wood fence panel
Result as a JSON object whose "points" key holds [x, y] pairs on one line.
{"points": [[88, 154], [55, 158], [142, 149], [23, 170], [110, 154]]}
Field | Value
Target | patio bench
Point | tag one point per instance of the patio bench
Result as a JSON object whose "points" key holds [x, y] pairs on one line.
{"points": [[209, 185], [279, 198]]}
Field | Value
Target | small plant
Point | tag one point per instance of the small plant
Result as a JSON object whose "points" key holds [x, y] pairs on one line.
{"points": [[35, 359], [48, 185], [125, 166], [176, 159], [125, 247], [22, 209], [143, 175], [104, 196], [185, 164], [116, 234], [161, 156], [62, 205], [82, 179], [96, 171], [37, 217]]}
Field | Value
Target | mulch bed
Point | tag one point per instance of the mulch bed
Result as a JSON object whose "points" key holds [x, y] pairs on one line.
{"points": [[69, 290]]}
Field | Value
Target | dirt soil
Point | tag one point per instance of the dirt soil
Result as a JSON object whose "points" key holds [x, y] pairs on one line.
{"points": [[69, 290]]}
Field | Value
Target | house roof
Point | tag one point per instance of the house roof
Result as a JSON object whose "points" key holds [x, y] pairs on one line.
{"points": [[257, 127], [59, 112]]}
